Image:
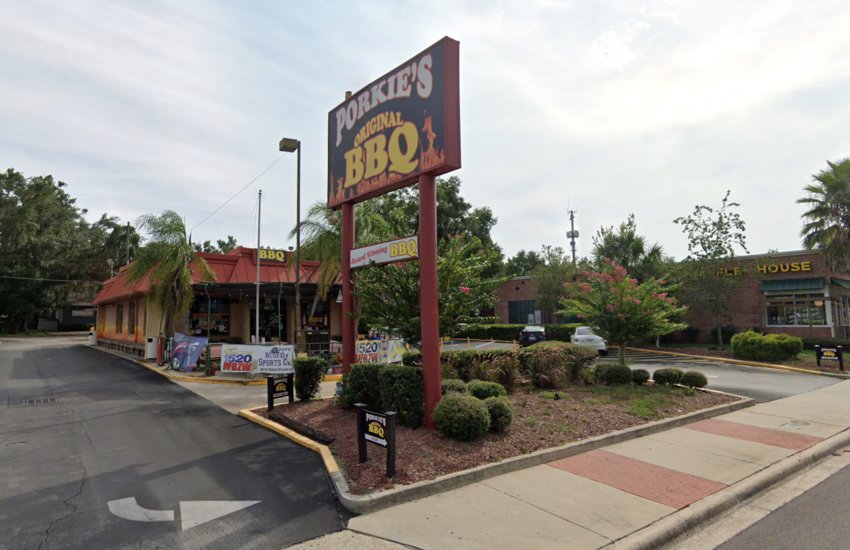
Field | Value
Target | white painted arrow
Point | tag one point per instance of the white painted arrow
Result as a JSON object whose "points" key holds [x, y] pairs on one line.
{"points": [[192, 512]]}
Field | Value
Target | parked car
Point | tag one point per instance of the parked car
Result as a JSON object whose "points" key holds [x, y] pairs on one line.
{"points": [[584, 336], [531, 335]]}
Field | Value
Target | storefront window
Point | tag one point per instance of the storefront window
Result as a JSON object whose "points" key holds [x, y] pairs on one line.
{"points": [[796, 309], [217, 319]]}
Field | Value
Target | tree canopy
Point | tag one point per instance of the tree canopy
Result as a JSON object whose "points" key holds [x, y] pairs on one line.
{"points": [[827, 221], [624, 246]]}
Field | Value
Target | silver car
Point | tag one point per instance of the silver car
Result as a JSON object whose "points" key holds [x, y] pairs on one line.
{"points": [[584, 336]]}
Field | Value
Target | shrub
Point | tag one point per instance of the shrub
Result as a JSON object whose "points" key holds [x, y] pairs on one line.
{"points": [[640, 376], [402, 391], [461, 417], [588, 376], [766, 347], [361, 385], [501, 413], [614, 374], [483, 389], [412, 358], [453, 385], [693, 379], [503, 368], [554, 364], [308, 376], [667, 376]]}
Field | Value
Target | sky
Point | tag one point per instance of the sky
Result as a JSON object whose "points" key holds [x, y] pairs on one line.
{"points": [[604, 107]]}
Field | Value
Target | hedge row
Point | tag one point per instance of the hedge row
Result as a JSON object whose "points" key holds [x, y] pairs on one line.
{"points": [[545, 364], [766, 347], [560, 332]]}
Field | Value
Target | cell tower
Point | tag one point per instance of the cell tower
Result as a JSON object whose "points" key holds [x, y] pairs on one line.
{"points": [[572, 235]]}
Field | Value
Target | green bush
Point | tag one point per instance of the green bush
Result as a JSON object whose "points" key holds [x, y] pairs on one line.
{"points": [[402, 391], [453, 385], [461, 417], [810, 343], [501, 413], [614, 374], [483, 389], [766, 347], [693, 379], [667, 376], [361, 385], [308, 376], [459, 363], [588, 376], [552, 365], [640, 376], [412, 358]]}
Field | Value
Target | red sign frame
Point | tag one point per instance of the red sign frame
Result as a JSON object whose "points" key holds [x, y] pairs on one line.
{"points": [[396, 128]]}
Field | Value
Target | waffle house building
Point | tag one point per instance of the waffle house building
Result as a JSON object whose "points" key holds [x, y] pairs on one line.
{"points": [[784, 292]]}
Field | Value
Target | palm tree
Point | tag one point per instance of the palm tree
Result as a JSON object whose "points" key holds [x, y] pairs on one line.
{"points": [[827, 221], [624, 246], [321, 240], [166, 259]]}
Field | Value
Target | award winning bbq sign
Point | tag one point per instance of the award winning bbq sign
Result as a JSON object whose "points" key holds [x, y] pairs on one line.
{"points": [[404, 124]]}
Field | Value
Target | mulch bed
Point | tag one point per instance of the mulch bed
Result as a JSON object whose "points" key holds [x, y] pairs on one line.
{"points": [[540, 422]]}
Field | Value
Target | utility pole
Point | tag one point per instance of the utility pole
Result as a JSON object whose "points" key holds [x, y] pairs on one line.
{"points": [[128, 242], [572, 234], [257, 310]]}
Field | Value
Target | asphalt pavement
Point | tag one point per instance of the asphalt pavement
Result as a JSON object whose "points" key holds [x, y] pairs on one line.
{"points": [[97, 452]]}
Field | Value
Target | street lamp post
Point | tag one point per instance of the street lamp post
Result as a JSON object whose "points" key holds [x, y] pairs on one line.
{"points": [[289, 145]]}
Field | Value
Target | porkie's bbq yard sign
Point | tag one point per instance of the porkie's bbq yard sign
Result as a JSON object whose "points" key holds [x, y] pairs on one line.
{"points": [[402, 125]]}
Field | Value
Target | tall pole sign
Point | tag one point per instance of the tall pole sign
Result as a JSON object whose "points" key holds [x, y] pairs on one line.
{"points": [[400, 129]]}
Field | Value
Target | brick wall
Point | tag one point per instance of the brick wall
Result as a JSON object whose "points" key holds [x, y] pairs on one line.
{"points": [[516, 289]]}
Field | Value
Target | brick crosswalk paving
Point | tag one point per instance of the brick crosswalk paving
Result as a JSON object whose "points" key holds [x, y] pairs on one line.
{"points": [[767, 436]]}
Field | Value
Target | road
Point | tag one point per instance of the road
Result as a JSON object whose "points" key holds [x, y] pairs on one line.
{"points": [[86, 437]]}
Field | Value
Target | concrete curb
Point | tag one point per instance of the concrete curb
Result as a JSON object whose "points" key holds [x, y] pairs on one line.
{"points": [[361, 504], [677, 523], [743, 362]]}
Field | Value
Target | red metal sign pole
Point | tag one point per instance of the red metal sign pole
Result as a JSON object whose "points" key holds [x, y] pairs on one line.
{"points": [[428, 299], [349, 330]]}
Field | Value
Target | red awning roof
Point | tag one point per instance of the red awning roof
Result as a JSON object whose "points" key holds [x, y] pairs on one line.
{"points": [[237, 267]]}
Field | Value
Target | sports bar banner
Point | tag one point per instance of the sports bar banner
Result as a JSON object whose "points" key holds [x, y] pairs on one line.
{"points": [[404, 124], [379, 351], [389, 252], [265, 359]]}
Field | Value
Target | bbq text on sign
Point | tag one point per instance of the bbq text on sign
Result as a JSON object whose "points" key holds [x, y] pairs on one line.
{"points": [[404, 124], [399, 250]]}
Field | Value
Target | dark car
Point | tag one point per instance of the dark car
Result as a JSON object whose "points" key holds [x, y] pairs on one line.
{"points": [[531, 335]]}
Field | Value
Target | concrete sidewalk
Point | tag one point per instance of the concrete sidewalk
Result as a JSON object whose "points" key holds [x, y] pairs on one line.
{"points": [[635, 494]]}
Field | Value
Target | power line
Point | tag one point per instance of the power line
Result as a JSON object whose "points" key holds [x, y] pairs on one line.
{"points": [[211, 214]]}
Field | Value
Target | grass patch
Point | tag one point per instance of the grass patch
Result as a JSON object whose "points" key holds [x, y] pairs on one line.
{"points": [[552, 395], [648, 407]]}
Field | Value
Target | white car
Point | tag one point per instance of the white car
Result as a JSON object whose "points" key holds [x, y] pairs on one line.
{"points": [[584, 336]]}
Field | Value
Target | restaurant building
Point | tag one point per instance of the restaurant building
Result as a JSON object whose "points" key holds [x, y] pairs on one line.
{"points": [[781, 292], [225, 308]]}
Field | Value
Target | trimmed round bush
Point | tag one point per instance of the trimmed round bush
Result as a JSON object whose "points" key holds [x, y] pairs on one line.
{"points": [[453, 385], [501, 413], [461, 417], [483, 389], [640, 376], [766, 347], [614, 375], [667, 376], [309, 372], [361, 385], [693, 379]]}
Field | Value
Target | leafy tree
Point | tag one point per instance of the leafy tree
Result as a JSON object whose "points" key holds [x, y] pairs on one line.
{"points": [[624, 246], [713, 235], [550, 278], [523, 263], [622, 309], [167, 259], [220, 246], [120, 242], [48, 250], [389, 295], [827, 220]]}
